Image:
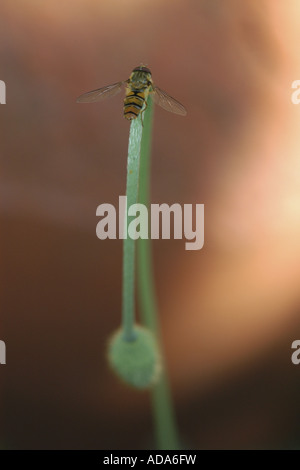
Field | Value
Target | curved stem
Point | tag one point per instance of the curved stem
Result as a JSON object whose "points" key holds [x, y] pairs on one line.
{"points": [[132, 186], [163, 413]]}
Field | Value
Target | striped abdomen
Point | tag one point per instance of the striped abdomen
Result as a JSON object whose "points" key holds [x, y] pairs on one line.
{"points": [[133, 103]]}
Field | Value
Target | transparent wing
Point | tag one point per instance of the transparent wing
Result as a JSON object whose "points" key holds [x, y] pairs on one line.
{"points": [[100, 93], [161, 98]]}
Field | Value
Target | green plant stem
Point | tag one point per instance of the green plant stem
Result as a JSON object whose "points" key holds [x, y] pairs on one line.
{"points": [[163, 414], [132, 185]]}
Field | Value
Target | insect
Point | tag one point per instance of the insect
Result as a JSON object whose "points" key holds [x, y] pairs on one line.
{"points": [[138, 87]]}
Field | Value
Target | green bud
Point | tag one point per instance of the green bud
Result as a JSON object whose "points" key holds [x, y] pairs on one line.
{"points": [[136, 362]]}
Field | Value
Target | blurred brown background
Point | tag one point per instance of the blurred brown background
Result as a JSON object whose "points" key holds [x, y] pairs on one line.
{"points": [[229, 312]]}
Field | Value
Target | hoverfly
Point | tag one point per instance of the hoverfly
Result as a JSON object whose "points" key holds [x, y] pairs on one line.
{"points": [[138, 86]]}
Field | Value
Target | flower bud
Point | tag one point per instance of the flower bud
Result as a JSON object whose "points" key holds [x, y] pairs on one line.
{"points": [[136, 362]]}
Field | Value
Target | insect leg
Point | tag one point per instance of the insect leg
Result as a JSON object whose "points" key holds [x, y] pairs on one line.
{"points": [[142, 112]]}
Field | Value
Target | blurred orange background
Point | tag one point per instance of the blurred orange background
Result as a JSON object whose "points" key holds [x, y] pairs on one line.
{"points": [[230, 312]]}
